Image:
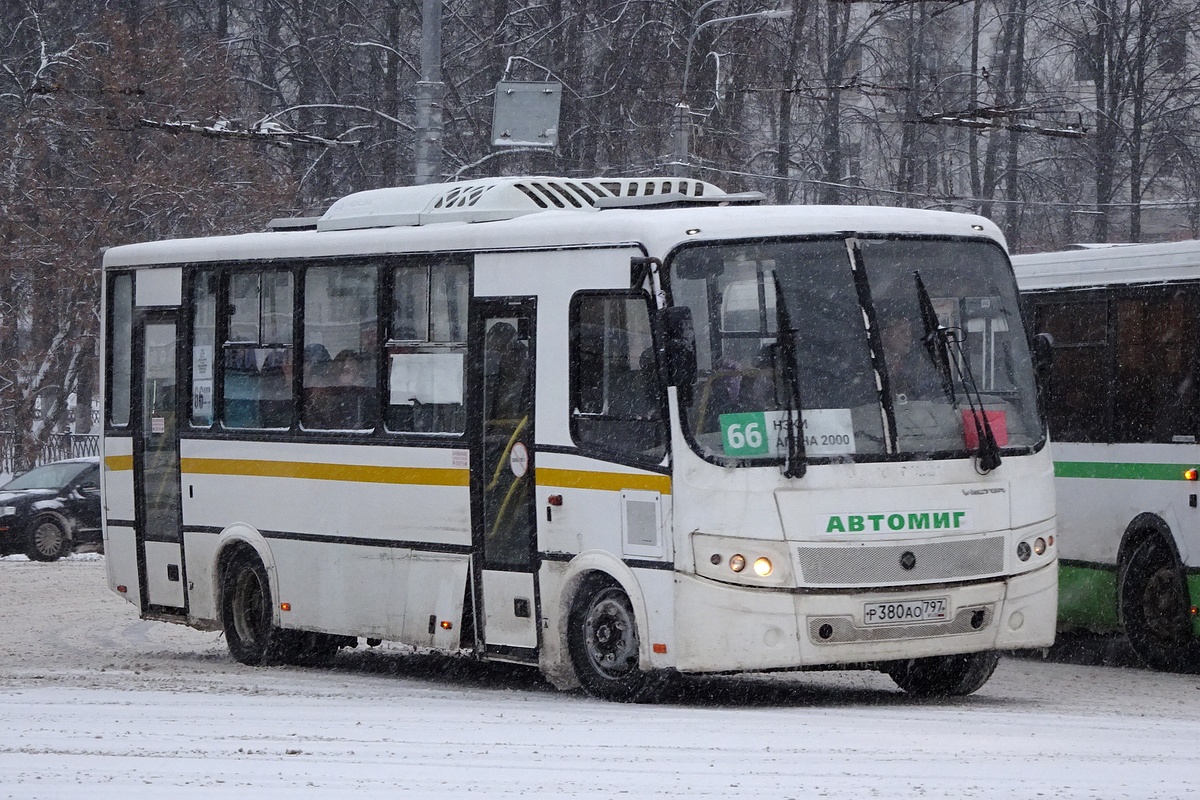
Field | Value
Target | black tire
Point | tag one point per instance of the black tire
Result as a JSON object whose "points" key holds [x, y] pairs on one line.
{"points": [[246, 609], [47, 540], [1155, 609], [943, 676], [602, 638]]}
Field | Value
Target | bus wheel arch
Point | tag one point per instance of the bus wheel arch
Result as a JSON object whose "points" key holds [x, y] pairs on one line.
{"points": [[606, 619], [1152, 596]]}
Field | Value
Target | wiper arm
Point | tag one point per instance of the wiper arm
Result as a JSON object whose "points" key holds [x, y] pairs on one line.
{"points": [[939, 341], [795, 462], [934, 337]]}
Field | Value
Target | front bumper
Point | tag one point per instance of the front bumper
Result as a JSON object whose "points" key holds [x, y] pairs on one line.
{"points": [[724, 628]]}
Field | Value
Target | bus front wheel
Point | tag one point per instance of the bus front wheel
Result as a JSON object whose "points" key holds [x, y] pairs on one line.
{"points": [[603, 642], [943, 676], [1155, 609]]}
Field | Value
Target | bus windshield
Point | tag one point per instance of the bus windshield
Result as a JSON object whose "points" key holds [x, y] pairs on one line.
{"points": [[875, 377]]}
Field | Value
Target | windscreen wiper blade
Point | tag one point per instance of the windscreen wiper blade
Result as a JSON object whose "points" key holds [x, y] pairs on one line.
{"points": [[939, 340], [934, 337], [795, 462]]}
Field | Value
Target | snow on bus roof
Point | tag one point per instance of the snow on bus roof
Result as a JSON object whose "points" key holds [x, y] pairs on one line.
{"points": [[683, 211], [1096, 265]]}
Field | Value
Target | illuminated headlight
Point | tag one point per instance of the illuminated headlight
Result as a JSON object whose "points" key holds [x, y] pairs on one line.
{"points": [[8, 511], [750, 562], [1039, 545]]}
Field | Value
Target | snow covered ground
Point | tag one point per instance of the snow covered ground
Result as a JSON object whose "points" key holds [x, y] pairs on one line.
{"points": [[95, 703]]}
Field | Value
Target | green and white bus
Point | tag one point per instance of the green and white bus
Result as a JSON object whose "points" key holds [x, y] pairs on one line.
{"points": [[1122, 405], [614, 428]]}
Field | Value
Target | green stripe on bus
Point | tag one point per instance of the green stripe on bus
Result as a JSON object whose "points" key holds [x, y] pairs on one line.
{"points": [[1087, 597], [1129, 472]]}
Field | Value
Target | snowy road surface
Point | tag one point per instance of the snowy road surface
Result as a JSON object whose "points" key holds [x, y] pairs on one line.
{"points": [[95, 703]]}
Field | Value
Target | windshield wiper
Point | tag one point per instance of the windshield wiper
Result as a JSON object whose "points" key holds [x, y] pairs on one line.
{"points": [[939, 341], [795, 462]]}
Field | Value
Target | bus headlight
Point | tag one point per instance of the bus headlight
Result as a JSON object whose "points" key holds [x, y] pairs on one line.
{"points": [[749, 562]]}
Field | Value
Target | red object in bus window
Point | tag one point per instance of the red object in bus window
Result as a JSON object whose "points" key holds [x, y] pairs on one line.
{"points": [[998, 421]]}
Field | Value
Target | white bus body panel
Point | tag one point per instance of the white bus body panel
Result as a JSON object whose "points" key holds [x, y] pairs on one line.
{"points": [[120, 538], [1109, 504], [161, 591]]}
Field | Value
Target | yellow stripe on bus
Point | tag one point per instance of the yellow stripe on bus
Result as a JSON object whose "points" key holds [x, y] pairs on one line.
{"points": [[118, 463], [357, 473], [606, 481]]}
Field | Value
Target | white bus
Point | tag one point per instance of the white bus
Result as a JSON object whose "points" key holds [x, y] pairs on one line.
{"points": [[1121, 402], [616, 428]]}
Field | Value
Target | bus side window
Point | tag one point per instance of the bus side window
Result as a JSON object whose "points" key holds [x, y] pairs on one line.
{"points": [[616, 396], [204, 342], [258, 344], [121, 341], [340, 316], [1077, 407], [426, 348], [1156, 358]]}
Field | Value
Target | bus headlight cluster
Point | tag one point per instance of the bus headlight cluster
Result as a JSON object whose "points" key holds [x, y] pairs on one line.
{"points": [[741, 561], [1031, 547]]}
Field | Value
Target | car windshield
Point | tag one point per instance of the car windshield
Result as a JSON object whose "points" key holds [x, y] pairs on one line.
{"points": [[863, 392], [50, 476]]}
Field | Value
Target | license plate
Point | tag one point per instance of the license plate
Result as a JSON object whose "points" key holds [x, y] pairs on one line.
{"points": [[906, 612]]}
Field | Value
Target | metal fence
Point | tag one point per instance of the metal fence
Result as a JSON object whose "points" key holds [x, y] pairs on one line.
{"points": [[57, 447]]}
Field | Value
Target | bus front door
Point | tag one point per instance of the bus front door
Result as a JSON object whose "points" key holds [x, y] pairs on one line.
{"points": [[156, 469], [502, 469]]}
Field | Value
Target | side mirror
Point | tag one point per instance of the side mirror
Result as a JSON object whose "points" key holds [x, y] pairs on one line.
{"points": [[679, 339]]}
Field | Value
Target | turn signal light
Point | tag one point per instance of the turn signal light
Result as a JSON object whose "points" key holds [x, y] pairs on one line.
{"points": [[447, 624], [285, 606], [1191, 474], [122, 588]]}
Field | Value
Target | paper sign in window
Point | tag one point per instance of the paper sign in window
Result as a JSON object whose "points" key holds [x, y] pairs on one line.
{"points": [[420, 378]]}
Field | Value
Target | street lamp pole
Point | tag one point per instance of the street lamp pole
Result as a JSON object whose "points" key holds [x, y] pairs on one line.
{"points": [[683, 112]]}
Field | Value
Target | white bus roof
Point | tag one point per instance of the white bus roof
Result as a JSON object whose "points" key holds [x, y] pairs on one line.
{"points": [[517, 213], [1107, 266]]}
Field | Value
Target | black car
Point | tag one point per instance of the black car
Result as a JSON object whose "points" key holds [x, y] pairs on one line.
{"points": [[49, 510]]}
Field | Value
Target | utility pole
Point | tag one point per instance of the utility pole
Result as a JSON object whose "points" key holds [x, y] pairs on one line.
{"points": [[430, 95]]}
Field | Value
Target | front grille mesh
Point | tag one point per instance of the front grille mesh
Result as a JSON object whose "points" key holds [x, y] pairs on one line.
{"points": [[884, 564]]}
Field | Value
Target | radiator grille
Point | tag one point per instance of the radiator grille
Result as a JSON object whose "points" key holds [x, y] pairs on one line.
{"points": [[884, 564]]}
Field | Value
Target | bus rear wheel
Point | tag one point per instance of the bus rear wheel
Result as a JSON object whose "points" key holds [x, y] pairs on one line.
{"points": [[246, 612], [604, 645], [943, 676], [1155, 609]]}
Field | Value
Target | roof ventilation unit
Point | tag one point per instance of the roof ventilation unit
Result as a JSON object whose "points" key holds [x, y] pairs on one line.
{"points": [[493, 199]]}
